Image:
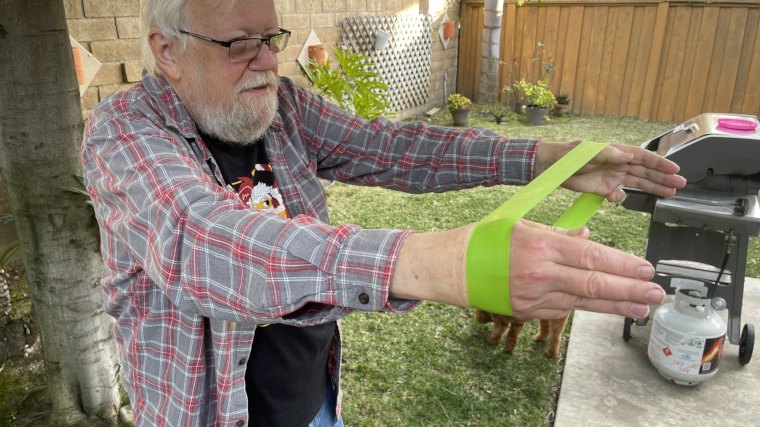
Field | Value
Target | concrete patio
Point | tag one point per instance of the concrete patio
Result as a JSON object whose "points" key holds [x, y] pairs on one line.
{"points": [[610, 382]]}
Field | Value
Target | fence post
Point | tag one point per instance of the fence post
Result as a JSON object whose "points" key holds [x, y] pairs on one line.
{"points": [[489, 74]]}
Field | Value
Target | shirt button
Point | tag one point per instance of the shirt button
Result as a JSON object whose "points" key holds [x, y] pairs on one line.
{"points": [[240, 423], [363, 298], [242, 361]]}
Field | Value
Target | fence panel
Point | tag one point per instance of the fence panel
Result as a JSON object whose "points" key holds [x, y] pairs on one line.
{"points": [[470, 34], [653, 60]]}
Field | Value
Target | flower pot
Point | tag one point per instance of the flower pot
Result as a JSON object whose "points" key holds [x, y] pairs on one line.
{"points": [[535, 115], [318, 54], [381, 39], [449, 29], [460, 117]]}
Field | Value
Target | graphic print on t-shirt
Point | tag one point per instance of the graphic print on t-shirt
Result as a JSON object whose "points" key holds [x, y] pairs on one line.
{"points": [[259, 191]]}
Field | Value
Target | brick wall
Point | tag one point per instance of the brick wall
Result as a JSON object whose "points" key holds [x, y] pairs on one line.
{"points": [[109, 29]]}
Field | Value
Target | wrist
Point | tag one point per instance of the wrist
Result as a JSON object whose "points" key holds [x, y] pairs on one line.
{"points": [[549, 152], [431, 266]]}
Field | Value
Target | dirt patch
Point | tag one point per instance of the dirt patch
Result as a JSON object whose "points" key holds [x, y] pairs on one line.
{"points": [[23, 401]]}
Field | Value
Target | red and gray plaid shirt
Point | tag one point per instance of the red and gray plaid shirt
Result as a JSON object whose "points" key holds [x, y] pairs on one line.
{"points": [[190, 270]]}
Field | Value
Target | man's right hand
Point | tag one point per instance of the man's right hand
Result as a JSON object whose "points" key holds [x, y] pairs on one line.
{"points": [[552, 271]]}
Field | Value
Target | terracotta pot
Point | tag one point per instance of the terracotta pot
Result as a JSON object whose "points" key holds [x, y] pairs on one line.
{"points": [[449, 29], [318, 54]]}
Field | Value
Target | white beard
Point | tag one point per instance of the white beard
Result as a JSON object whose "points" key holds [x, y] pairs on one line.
{"points": [[239, 121]]}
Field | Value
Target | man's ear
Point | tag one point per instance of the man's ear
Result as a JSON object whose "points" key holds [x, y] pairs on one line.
{"points": [[164, 51]]}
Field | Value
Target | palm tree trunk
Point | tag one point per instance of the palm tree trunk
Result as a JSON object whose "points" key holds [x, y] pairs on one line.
{"points": [[40, 133]]}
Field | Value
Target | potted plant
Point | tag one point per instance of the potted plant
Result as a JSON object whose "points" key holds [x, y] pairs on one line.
{"points": [[459, 107], [563, 100], [538, 98]]}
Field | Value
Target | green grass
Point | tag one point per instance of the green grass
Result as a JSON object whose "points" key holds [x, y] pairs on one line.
{"points": [[432, 367]]}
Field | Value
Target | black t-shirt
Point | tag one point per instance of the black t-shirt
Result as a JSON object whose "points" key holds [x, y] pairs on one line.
{"points": [[287, 372]]}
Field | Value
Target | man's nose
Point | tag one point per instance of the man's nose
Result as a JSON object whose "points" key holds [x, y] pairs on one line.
{"points": [[264, 60]]}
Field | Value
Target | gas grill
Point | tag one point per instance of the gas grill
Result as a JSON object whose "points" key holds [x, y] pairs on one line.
{"points": [[703, 232]]}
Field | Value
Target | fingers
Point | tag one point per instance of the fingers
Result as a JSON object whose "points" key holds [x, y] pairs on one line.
{"points": [[621, 308], [616, 196], [653, 181], [552, 272], [586, 255], [648, 159], [646, 170], [567, 303], [615, 155]]}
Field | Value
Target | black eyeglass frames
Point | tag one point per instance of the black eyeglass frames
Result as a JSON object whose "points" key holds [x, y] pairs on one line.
{"points": [[248, 48]]}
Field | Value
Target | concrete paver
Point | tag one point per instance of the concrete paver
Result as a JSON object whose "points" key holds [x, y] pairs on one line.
{"points": [[610, 382]]}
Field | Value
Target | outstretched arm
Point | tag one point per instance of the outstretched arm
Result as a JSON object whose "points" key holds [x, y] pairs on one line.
{"points": [[551, 272]]}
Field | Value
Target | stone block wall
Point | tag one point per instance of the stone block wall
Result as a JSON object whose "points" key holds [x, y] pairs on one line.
{"points": [[109, 29]]}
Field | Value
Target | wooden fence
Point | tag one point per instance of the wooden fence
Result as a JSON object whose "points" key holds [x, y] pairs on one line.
{"points": [[651, 60]]}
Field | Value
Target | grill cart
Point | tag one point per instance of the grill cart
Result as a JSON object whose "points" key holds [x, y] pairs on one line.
{"points": [[703, 232]]}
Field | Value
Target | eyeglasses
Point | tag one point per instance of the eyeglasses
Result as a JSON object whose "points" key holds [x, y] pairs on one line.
{"points": [[248, 48]]}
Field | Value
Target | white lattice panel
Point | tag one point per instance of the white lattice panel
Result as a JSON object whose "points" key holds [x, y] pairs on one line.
{"points": [[404, 63]]}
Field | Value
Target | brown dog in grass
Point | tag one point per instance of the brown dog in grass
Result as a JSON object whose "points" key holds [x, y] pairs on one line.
{"points": [[548, 330]]}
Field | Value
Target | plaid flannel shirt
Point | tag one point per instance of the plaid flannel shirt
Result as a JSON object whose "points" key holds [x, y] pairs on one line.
{"points": [[190, 271]]}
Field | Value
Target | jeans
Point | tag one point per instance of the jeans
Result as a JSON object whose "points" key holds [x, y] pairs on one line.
{"points": [[326, 415]]}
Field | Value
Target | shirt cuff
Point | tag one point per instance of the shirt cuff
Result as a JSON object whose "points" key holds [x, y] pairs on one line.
{"points": [[364, 271]]}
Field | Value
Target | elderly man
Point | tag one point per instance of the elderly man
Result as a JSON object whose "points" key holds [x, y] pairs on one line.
{"points": [[223, 274]]}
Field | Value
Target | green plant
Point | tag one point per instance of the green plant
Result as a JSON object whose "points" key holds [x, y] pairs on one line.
{"points": [[536, 94], [457, 101], [563, 98], [496, 109], [80, 189], [355, 86]]}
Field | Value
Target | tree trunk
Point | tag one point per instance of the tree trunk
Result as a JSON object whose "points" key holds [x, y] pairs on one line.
{"points": [[40, 134]]}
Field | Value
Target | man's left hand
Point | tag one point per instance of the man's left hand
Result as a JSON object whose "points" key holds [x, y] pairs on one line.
{"points": [[617, 165]]}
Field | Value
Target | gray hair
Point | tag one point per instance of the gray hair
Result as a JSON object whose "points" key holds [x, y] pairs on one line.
{"points": [[168, 16], [165, 15]]}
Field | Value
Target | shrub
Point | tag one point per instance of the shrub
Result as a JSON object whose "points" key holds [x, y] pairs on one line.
{"points": [[457, 101], [355, 86], [536, 94], [563, 98]]}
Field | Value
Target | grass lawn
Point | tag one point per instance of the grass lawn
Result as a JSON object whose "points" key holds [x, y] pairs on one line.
{"points": [[432, 367]]}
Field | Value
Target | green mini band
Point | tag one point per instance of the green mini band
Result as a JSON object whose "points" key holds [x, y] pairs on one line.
{"points": [[487, 259]]}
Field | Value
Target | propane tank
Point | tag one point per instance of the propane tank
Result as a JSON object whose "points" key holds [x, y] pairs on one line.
{"points": [[687, 335]]}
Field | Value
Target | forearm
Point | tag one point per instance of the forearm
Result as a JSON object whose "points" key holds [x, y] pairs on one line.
{"points": [[431, 266], [409, 157]]}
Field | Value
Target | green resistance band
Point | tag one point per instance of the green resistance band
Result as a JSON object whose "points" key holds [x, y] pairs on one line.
{"points": [[487, 259]]}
